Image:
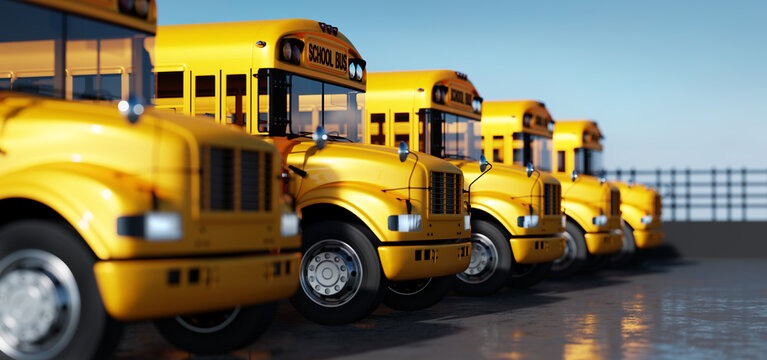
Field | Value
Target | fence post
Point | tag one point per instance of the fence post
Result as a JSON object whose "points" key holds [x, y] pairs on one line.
{"points": [[633, 176], [713, 194], [673, 194], [743, 175], [729, 194], [618, 174], [657, 178], [688, 206]]}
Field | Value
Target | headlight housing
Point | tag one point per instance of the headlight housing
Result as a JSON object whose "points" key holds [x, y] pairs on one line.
{"points": [[527, 221], [405, 223], [647, 219], [467, 222], [290, 225], [600, 220], [153, 226]]}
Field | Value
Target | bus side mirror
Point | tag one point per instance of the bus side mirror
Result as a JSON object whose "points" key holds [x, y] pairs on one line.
{"points": [[530, 169], [574, 175], [320, 137], [403, 151], [483, 163], [131, 109]]}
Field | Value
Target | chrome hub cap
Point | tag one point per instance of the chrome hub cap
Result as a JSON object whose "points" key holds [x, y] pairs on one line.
{"points": [[331, 273], [39, 305], [568, 257], [484, 260]]}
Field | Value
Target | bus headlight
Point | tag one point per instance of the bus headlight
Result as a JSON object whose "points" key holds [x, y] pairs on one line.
{"points": [[352, 71], [600, 220], [647, 219], [467, 222], [289, 225], [527, 221], [564, 221], [152, 226], [405, 223]]}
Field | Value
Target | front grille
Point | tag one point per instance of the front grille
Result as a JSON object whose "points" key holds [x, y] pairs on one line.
{"points": [[235, 179], [615, 202], [552, 199], [445, 193]]}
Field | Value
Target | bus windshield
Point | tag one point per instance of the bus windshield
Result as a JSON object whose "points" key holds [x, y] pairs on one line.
{"points": [[535, 149], [588, 161], [72, 57], [451, 136], [308, 104]]}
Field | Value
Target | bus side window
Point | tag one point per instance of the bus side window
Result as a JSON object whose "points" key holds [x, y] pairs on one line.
{"points": [[401, 128], [236, 110], [170, 90], [205, 95], [498, 149], [5, 82], [377, 129], [561, 161]]}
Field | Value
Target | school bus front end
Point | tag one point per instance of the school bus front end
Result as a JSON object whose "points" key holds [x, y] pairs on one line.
{"points": [[641, 209], [438, 112], [396, 216], [125, 213], [522, 132]]}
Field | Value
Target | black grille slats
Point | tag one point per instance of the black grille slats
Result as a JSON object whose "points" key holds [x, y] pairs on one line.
{"points": [[235, 179], [445, 193], [552, 199]]}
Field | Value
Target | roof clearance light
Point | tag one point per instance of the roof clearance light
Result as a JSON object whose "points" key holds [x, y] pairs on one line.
{"points": [[359, 71], [141, 7], [352, 71], [296, 52], [527, 119], [287, 51], [126, 6], [551, 126]]}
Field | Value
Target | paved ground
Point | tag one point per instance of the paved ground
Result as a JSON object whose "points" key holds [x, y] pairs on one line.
{"points": [[707, 309]]}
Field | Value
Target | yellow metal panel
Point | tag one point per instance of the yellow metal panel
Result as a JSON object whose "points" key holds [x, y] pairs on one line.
{"points": [[537, 250], [604, 242], [142, 289], [648, 238], [423, 261]]}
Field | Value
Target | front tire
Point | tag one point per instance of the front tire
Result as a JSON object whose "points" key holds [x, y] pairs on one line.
{"points": [[340, 274], [628, 252], [418, 294], [527, 275], [217, 332], [50, 305], [491, 261], [575, 256]]}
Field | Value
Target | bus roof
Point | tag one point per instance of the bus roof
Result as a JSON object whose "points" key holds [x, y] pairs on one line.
{"points": [[401, 84], [573, 134], [509, 114], [240, 43], [105, 10]]}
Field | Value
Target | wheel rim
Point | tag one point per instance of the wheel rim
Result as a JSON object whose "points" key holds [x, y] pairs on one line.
{"points": [[568, 258], [484, 260], [626, 249], [209, 322], [409, 287], [331, 273], [39, 305]]}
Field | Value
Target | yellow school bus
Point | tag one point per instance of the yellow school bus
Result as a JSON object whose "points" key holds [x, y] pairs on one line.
{"points": [[110, 217], [521, 132], [379, 223], [640, 205], [515, 216]]}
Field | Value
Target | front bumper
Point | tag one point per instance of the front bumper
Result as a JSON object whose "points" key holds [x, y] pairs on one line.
{"points": [[154, 288], [604, 242], [648, 238], [538, 249], [409, 262]]}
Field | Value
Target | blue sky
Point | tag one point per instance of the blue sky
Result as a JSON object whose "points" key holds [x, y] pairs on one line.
{"points": [[671, 83]]}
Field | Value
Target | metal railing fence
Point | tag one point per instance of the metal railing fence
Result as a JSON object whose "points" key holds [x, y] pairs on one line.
{"points": [[704, 194]]}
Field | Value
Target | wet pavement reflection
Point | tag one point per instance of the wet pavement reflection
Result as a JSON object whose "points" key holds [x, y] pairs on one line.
{"points": [[664, 309]]}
